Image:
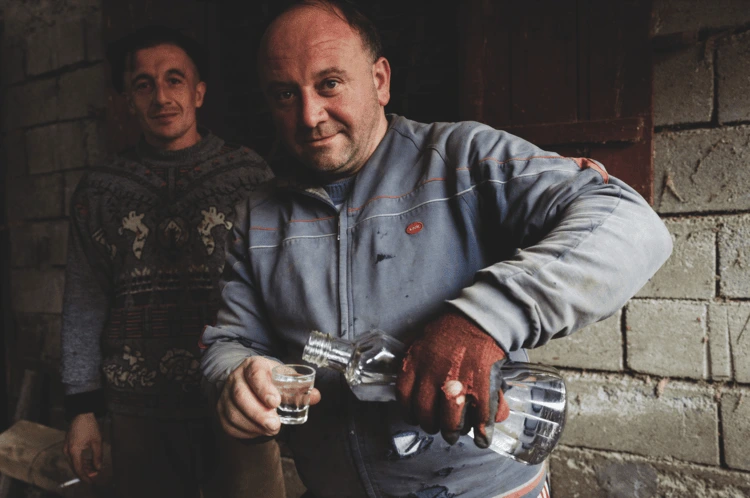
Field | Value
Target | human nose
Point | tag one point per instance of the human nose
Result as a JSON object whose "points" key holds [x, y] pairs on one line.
{"points": [[313, 110], [161, 95]]}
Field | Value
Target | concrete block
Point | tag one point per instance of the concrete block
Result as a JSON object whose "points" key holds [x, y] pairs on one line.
{"points": [[735, 421], [83, 93], [56, 46], [38, 337], [56, 147], [37, 245], [13, 60], [65, 146], [94, 143], [734, 256], [636, 416], [582, 473], [597, 347], [733, 64], [34, 197], [690, 273], [733, 320], [702, 170], [29, 104], [14, 152], [71, 179], [667, 338], [37, 291], [683, 86], [94, 37], [719, 351], [676, 16]]}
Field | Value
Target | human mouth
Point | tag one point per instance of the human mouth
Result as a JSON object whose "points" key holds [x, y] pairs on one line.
{"points": [[320, 141], [164, 117]]}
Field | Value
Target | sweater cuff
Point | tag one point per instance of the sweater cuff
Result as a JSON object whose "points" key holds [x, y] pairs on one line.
{"points": [[86, 402]]}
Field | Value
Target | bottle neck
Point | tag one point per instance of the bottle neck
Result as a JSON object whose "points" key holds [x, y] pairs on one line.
{"points": [[324, 351]]}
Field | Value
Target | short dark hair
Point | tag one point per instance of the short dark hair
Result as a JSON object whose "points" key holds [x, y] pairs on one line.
{"points": [[354, 16], [120, 51]]}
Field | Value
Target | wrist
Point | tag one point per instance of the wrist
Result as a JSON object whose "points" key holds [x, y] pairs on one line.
{"points": [[90, 402]]}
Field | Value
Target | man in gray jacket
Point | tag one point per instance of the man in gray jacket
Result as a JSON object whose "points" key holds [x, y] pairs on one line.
{"points": [[466, 242]]}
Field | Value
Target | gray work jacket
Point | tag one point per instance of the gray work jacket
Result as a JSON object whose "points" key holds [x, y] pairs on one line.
{"points": [[530, 245]]}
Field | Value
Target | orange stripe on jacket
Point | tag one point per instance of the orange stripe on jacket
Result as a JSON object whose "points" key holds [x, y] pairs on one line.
{"points": [[585, 162]]}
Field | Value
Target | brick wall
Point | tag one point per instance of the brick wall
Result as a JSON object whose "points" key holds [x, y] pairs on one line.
{"points": [[660, 393]]}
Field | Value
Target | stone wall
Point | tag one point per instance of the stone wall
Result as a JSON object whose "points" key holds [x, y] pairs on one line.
{"points": [[659, 393]]}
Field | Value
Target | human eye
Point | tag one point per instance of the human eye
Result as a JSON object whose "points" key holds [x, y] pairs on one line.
{"points": [[284, 96], [175, 81], [142, 86], [330, 85]]}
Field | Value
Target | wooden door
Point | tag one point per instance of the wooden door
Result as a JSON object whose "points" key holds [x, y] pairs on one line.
{"points": [[572, 76]]}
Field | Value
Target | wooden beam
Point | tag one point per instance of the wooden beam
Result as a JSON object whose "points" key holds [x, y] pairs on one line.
{"points": [[623, 130]]}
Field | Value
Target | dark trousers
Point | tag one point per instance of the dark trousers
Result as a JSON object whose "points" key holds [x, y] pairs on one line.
{"points": [[155, 458]]}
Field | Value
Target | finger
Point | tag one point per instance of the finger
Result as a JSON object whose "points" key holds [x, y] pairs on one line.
{"points": [[314, 397], [239, 397], [258, 377], [77, 456], [495, 407], [498, 408], [244, 412], [236, 424], [404, 387], [96, 448], [452, 410], [425, 406]]}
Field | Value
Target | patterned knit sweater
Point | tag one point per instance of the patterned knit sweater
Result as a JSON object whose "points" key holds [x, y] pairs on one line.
{"points": [[145, 252]]}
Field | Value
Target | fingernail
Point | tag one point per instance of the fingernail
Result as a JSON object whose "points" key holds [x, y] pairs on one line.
{"points": [[272, 424], [272, 400]]}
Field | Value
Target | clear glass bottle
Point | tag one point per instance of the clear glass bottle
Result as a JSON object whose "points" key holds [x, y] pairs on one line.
{"points": [[536, 394]]}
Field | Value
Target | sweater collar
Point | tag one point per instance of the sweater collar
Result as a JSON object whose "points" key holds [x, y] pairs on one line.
{"points": [[200, 151]]}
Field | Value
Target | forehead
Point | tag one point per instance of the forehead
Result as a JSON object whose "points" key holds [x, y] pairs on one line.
{"points": [[161, 58], [310, 38]]}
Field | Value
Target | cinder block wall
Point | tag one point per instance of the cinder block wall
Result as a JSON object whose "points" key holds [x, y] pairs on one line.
{"points": [[53, 99], [658, 404], [660, 393]]}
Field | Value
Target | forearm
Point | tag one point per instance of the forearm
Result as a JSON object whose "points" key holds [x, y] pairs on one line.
{"points": [[606, 246]]}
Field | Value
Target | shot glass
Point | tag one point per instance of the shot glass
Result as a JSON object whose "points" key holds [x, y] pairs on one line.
{"points": [[295, 383]]}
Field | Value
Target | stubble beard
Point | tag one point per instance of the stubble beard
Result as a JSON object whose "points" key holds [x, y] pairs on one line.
{"points": [[332, 163]]}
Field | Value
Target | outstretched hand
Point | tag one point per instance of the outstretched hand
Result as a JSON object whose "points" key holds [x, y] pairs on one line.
{"points": [[450, 380], [248, 401]]}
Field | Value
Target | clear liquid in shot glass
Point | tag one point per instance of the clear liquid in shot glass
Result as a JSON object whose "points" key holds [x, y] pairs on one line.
{"points": [[295, 383]]}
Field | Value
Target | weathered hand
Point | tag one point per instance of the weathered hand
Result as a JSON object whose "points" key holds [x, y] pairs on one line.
{"points": [[450, 380], [248, 401], [84, 438]]}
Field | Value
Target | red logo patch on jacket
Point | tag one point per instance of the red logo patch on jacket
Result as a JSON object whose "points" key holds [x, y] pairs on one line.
{"points": [[415, 227]]}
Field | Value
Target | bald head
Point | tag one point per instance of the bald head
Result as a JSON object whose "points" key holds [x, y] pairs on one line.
{"points": [[345, 12], [326, 92]]}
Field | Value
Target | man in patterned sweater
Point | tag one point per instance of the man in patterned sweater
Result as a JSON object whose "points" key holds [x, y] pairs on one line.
{"points": [[146, 249]]}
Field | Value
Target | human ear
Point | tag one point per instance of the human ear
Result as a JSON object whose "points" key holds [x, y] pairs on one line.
{"points": [[381, 75], [200, 92]]}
